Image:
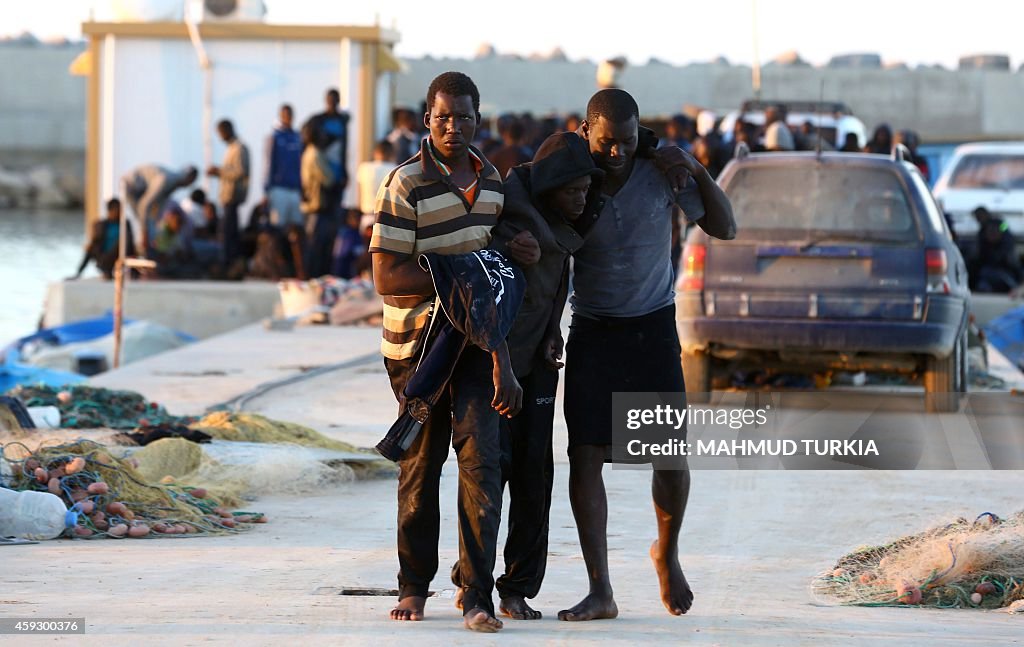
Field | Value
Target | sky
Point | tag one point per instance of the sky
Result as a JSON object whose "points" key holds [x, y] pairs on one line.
{"points": [[679, 32]]}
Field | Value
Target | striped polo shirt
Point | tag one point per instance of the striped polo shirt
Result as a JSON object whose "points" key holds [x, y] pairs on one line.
{"points": [[420, 210]]}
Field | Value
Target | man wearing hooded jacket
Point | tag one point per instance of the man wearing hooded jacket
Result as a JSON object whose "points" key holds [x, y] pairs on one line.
{"points": [[556, 197]]}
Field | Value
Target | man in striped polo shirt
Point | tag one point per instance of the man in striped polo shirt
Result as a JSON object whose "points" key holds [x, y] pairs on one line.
{"points": [[445, 200]]}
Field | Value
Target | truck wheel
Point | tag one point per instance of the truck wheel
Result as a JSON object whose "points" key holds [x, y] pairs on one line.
{"points": [[697, 376], [965, 381], [944, 379]]}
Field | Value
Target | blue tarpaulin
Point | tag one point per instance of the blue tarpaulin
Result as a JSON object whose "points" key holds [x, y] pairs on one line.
{"points": [[77, 331], [82, 330], [12, 375], [1006, 333]]}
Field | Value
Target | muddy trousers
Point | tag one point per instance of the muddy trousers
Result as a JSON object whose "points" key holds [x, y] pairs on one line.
{"points": [[463, 419], [527, 467]]}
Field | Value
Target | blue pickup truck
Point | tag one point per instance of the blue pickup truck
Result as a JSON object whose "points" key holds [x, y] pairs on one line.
{"points": [[842, 261]]}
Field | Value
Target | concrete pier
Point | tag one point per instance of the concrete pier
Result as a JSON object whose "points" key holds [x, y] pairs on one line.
{"points": [[751, 540], [199, 308]]}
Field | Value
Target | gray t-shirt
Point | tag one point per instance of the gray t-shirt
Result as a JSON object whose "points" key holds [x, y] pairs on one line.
{"points": [[624, 268]]}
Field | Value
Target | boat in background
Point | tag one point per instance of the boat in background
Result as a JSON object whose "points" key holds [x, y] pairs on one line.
{"points": [[12, 375], [70, 353]]}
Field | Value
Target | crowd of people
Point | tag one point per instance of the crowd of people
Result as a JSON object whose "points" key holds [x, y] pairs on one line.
{"points": [[298, 228], [301, 229]]}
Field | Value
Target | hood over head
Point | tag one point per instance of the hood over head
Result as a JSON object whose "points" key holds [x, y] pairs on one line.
{"points": [[562, 158]]}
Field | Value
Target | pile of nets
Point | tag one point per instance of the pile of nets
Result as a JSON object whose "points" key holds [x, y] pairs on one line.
{"points": [[233, 471], [250, 455], [254, 428], [88, 407], [113, 499], [965, 564]]}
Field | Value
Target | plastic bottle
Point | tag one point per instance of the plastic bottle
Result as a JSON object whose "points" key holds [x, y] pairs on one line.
{"points": [[33, 515]]}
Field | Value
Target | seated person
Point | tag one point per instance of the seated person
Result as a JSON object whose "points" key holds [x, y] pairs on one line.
{"points": [[997, 268], [208, 230], [172, 246], [104, 242], [268, 249], [269, 260], [194, 207], [201, 231], [348, 246], [259, 220]]}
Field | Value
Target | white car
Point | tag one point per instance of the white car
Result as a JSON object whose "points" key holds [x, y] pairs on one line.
{"points": [[834, 119], [989, 175]]}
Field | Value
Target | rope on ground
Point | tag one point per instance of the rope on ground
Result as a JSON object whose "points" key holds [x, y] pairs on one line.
{"points": [[239, 402]]}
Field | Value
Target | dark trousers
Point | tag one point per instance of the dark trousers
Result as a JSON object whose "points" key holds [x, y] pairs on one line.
{"points": [[321, 231], [462, 418], [231, 239], [527, 467]]}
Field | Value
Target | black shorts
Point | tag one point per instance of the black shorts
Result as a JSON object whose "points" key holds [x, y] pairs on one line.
{"points": [[609, 355]]}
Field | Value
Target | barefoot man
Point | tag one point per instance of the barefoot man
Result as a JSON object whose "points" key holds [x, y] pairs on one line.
{"points": [[444, 200], [623, 336]]}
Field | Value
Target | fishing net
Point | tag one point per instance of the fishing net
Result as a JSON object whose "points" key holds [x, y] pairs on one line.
{"points": [[254, 428], [172, 457], [250, 455], [112, 498], [232, 471], [89, 407], [958, 565]]}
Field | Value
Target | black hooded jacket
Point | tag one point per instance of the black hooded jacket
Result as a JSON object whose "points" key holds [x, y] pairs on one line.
{"points": [[562, 158]]}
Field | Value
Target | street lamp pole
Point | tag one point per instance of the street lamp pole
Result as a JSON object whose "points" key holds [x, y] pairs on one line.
{"points": [[755, 72]]}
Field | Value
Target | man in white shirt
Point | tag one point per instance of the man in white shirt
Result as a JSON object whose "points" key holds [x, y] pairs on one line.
{"points": [[371, 175]]}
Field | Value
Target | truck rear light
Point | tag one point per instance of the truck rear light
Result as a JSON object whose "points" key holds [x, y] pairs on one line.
{"points": [[936, 267], [935, 261], [694, 257]]}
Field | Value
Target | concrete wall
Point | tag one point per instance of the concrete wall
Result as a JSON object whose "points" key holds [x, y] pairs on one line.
{"points": [[200, 308], [42, 107], [940, 104]]}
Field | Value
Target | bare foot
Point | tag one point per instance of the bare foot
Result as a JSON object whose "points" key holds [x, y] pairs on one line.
{"points": [[459, 594], [675, 592], [480, 620], [410, 608], [515, 607], [592, 607]]}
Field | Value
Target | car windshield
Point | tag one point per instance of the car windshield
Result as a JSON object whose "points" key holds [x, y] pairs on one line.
{"points": [[831, 199], [989, 172]]}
